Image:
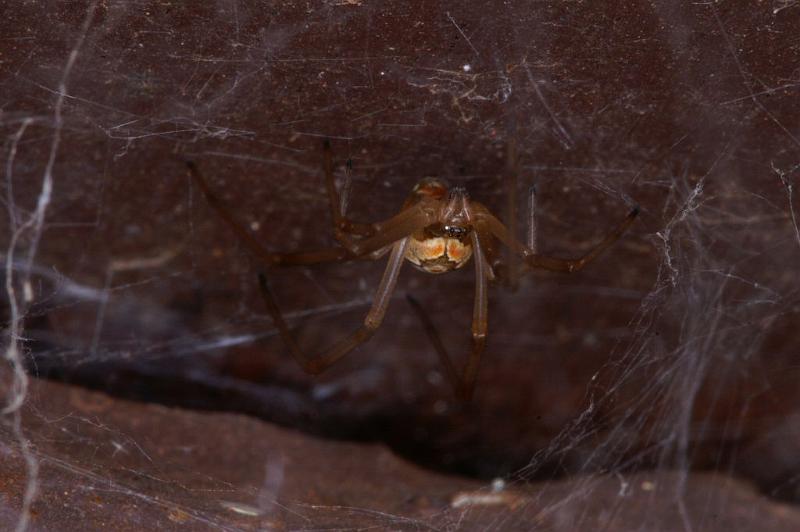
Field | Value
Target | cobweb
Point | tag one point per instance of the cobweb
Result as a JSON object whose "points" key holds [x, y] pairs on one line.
{"points": [[675, 352]]}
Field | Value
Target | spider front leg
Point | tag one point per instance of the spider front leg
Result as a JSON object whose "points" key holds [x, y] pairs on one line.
{"points": [[370, 248], [535, 260], [246, 237], [342, 225], [318, 364]]}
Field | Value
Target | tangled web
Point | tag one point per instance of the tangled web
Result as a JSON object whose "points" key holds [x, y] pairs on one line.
{"points": [[674, 353]]}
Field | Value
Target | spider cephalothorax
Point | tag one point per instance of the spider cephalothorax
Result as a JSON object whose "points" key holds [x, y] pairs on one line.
{"points": [[438, 230]]}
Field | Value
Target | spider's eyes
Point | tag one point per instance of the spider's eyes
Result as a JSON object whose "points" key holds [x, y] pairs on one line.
{"points": [[455, 231]]}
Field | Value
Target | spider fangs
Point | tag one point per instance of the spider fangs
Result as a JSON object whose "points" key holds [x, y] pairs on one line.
{"points": [[436, 230]]}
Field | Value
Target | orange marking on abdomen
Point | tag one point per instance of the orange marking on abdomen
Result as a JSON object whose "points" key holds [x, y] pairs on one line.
{"points": [[438, 254], [430, 248], [457, 251]]}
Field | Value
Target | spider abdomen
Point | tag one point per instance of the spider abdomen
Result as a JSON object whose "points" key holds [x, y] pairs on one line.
{"points": [[438, 254]]}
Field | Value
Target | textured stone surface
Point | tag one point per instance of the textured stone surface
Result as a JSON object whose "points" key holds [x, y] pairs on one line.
{"points": [[113, 464]]}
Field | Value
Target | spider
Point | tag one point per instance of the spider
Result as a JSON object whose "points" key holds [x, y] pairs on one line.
{"points": [[438, 230]]}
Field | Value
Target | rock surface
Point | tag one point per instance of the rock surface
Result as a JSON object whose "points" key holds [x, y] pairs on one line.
{"points": [[106, 463]]}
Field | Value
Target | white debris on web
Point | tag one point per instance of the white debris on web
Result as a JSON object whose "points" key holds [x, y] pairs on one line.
{"points": [[496, 495]]}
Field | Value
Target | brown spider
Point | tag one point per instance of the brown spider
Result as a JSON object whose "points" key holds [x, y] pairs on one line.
{"points": [[438, 230]]}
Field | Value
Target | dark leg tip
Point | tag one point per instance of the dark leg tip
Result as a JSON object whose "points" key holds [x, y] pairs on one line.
{"points": [[326, 143], [634, 212]]}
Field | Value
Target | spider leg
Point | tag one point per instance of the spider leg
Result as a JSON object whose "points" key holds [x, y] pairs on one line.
{"points": [[317, 364], [535, 260], [511, 177], [342, 226], [374, 247], [244, 235], [464, 386], [436, 341], [480, 317], [532, 219]]}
